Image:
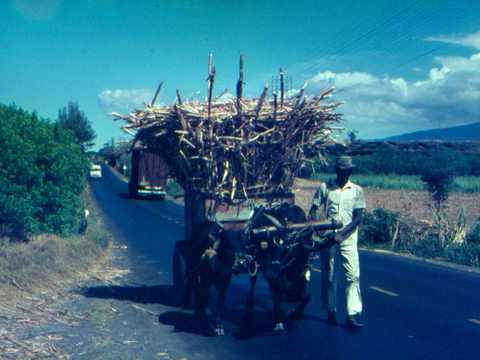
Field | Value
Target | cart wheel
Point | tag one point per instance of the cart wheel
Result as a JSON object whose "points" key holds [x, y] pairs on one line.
{"points": [[180, 270]]}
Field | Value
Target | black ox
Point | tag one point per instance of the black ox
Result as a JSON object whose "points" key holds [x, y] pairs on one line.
{"points": [[263, 245]]}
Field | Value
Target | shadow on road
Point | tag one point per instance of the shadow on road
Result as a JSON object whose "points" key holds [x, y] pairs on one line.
{"points": [[185, 322], [234, 322], [161, 294], [123, 195]]}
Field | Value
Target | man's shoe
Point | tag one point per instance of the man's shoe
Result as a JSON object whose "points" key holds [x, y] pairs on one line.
{"points": [[353, 323], [331, 318]]}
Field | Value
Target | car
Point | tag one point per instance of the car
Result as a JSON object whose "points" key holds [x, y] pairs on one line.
{"points": [[95, 171]]}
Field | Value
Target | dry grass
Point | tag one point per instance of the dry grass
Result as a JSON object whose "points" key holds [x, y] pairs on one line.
{"points": [[48, 261], [35, 277], [410, 203]]}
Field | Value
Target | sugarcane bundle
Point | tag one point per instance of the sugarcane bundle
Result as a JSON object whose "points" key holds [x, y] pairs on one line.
{"points": [[232, 150]]}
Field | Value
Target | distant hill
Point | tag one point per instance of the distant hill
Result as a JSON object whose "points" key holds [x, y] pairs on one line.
{"points": [[470, 132]]}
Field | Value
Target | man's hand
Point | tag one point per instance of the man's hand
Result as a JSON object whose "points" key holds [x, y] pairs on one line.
{"points": [[339, 237], [210, 253], [350, 228], [325, 240]]}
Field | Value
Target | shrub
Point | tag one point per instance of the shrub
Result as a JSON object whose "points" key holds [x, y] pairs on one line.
{"points": [[465, 254], [380, 227], [473, 236], [429, 247], [42, 174], [438, 177], [407, 162]]}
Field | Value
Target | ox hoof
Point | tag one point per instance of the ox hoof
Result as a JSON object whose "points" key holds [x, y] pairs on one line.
{"points": [[279, 327], [294, 315], [219, 331]]}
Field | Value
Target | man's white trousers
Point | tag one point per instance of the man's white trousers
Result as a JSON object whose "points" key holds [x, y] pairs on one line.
{"points": [[340, 263]]}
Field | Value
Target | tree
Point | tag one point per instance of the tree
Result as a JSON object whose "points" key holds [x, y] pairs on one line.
{"points": [[438, 176], [352, 136], [70, 117], [42, 174]]}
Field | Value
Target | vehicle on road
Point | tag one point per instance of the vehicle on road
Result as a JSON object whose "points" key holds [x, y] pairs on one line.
{"points": [[95, 171], [149, 173]]}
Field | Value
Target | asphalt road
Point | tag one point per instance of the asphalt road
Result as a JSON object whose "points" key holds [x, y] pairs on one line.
{"points": [[413, 309]]}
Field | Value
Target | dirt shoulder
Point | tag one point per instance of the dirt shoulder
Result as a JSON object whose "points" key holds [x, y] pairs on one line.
{"points": [[411, 203], [36, 278]]}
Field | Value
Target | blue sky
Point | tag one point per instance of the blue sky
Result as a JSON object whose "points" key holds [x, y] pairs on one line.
{"points": [[398, 65]]}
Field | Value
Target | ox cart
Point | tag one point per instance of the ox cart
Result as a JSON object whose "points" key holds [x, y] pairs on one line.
{"points": [[236, 160]]}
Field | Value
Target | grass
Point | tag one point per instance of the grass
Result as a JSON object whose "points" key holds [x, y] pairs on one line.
{"points": [[388, 230], [467, 184], [47, 258]]}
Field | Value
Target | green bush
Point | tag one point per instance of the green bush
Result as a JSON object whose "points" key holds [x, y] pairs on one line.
{"points": [[379, 227], [473, 236], [405, 163], [437, 174], [42, 174], [429, 247], [465, 254]]}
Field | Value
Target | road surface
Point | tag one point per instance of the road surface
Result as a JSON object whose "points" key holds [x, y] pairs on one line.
{"points": [[413, 309]]}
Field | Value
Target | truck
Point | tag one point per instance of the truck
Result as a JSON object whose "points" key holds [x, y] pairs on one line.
{"points": [[149, 174]]}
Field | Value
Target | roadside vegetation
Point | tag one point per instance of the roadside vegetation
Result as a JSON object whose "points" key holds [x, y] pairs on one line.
{"points": [[43, 197], [441, 237], [394, 162], [404, 170], [466, 184], [384, 229], [46, 259]]}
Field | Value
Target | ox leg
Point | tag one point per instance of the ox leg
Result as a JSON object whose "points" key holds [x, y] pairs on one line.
{"points": [[297, 312], [202, 287], [278, 315], [250, 306], [222, 284]]}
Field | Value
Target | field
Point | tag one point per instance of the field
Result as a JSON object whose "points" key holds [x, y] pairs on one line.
{"points": [[413, 203], [466, 184]]}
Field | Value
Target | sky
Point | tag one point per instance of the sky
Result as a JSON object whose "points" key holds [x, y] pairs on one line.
{"points": [[398, 66]]}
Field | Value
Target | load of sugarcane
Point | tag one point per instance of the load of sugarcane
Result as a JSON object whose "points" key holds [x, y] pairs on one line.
{"points": [[235, 149]]}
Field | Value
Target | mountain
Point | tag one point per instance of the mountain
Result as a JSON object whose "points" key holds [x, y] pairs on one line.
{"points": [[469, 132]]}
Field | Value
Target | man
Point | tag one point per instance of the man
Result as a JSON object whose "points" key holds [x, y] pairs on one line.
{"points": [[343, 201]]}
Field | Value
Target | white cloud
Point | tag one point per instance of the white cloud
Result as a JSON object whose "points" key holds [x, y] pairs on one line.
{"points": [[124, 100], [379, 106], [471, 40]]}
